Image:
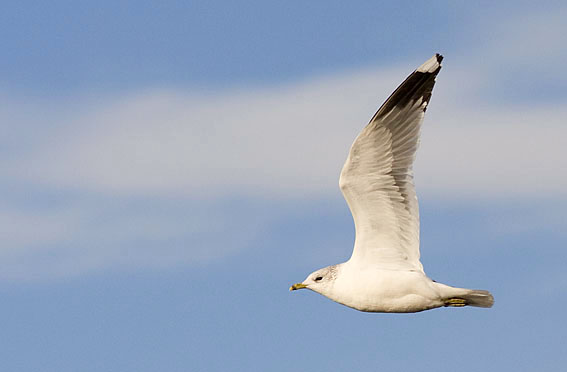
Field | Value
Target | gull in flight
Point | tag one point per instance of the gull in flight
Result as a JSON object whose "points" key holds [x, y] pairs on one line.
{"points": [[384, 273]]}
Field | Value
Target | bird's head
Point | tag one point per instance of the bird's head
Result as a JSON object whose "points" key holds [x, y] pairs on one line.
{"points": [[319, 281]]}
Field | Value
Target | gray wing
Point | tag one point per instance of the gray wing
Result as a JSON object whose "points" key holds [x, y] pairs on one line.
{"points": [[377, 178]]}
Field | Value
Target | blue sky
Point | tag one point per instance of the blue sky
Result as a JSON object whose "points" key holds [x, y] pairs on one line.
{"points": [[169, 169]]}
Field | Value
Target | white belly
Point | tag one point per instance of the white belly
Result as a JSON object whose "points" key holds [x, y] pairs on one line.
{"points": [[376, 290]]}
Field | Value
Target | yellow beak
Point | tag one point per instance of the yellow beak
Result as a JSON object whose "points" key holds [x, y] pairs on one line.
{"points": [[297, 286]]}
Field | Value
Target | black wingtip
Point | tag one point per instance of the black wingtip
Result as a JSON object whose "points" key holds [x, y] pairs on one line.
{"points": [[418, 85], [432, 65]]}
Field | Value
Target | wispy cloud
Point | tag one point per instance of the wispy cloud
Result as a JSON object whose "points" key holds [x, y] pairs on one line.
{"points": [[290, 140], [87, 233]]}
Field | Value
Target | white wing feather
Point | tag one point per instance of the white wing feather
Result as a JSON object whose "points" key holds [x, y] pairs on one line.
{"points": [[377, 178]]}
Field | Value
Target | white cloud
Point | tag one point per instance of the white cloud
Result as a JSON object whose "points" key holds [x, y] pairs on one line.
{"points": [[87, 233], [292, 140], [495, 153], [275, 140]]}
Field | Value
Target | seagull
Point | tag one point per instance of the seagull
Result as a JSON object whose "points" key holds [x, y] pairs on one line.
{"points": [[384, 273]]}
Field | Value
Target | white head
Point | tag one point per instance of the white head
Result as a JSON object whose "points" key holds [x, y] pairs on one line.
{"points": [[320, 281]]}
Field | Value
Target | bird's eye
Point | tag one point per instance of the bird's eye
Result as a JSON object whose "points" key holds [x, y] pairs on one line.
{"points": [[318, 278]]}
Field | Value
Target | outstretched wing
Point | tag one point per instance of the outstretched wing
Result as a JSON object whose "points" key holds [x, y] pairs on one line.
{"points": [[377, 178]]}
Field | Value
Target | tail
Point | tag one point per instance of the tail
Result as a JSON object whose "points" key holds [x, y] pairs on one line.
{"points": [[472, 297]]}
